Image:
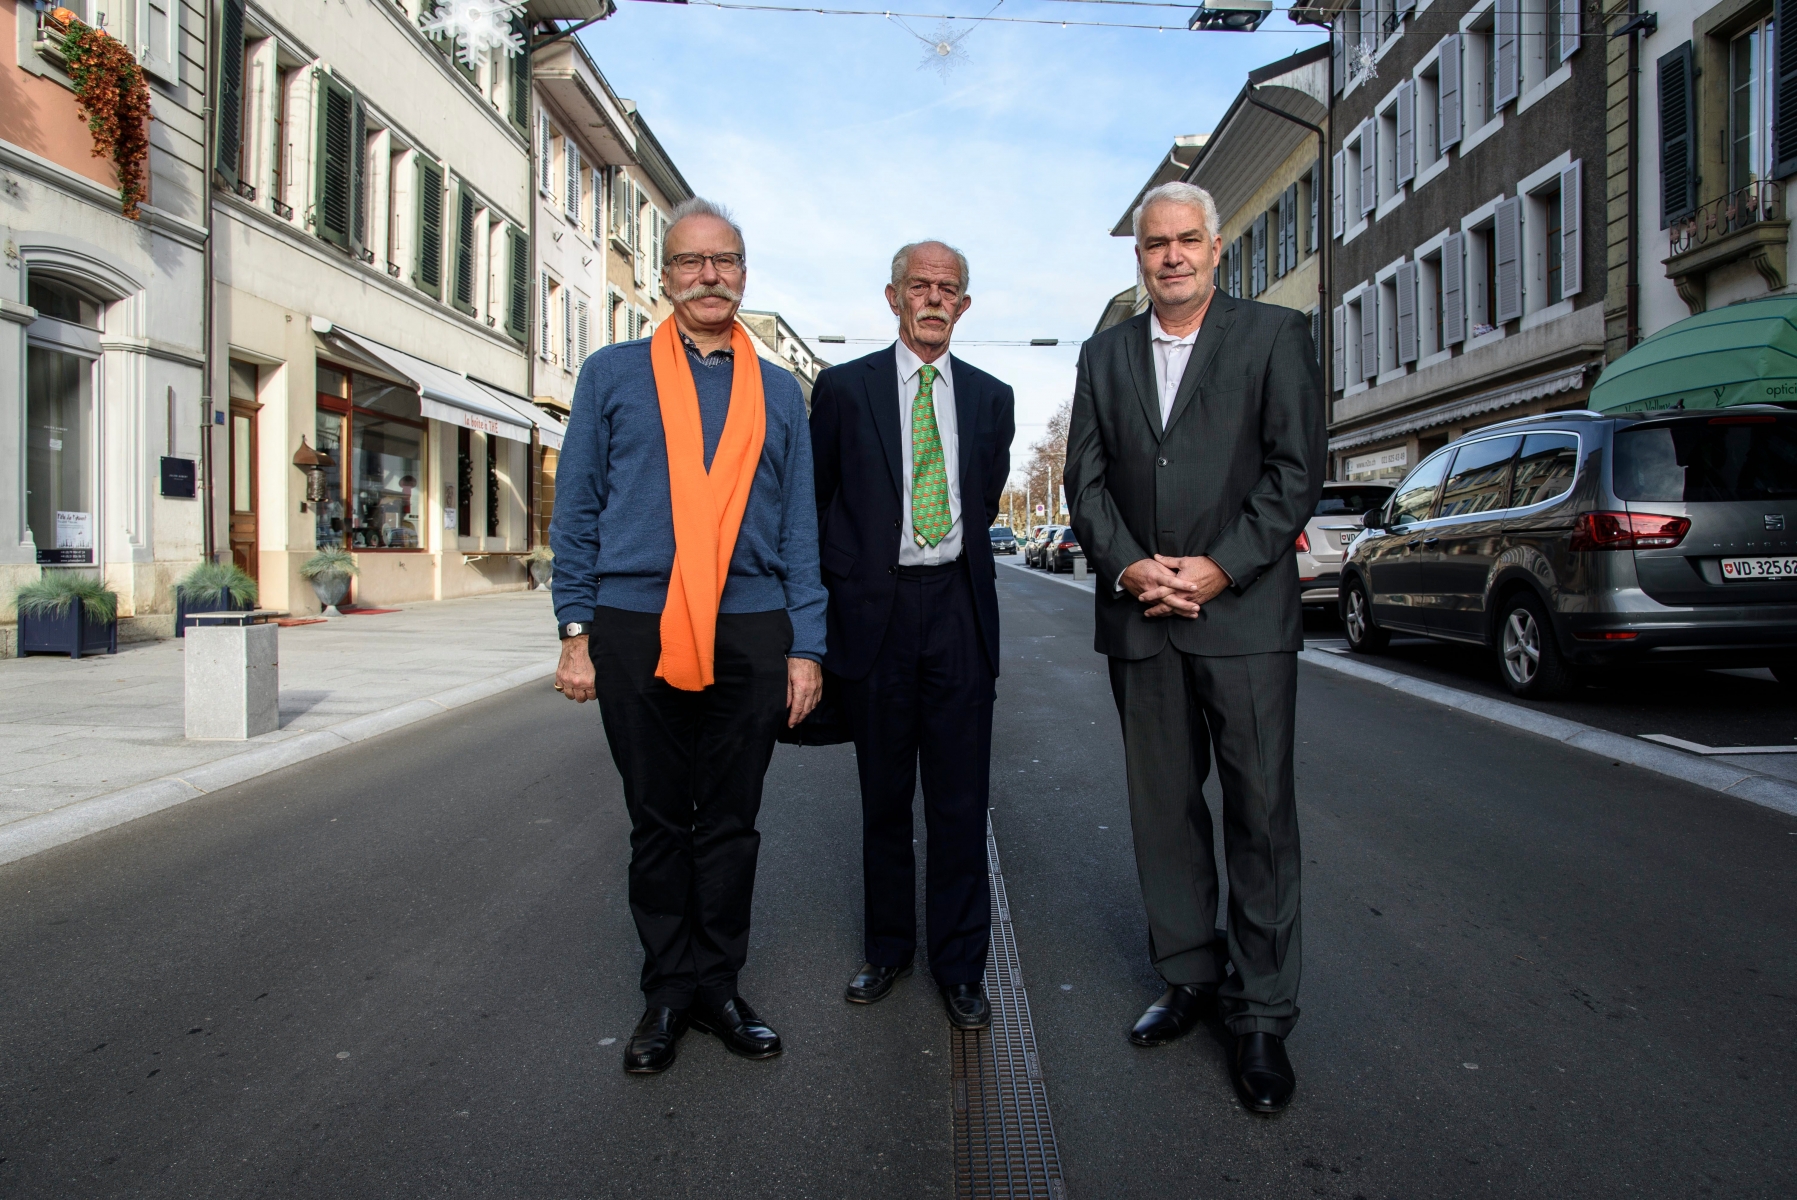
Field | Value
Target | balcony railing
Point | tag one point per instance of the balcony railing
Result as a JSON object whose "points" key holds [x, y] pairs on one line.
{"points": [[1726, 214]]}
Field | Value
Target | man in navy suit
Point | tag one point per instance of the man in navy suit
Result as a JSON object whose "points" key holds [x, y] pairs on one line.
{"points": [[912, 448]]}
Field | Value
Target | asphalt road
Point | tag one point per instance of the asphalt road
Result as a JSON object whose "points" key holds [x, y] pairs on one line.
{"points": [[392, 973]]}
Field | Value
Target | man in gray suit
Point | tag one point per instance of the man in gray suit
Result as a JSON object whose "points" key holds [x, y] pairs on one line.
{"points": [[1195, 456]]}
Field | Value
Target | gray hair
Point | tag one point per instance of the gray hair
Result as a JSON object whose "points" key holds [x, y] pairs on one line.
{"points": [[699, 206], [1190, 195], [901, 262]]}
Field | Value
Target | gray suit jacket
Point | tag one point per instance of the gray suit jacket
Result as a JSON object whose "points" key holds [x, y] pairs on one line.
{"points": [[1235, 475]]}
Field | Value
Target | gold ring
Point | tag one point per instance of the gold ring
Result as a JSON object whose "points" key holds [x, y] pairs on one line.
{"points": [[558, 687]]}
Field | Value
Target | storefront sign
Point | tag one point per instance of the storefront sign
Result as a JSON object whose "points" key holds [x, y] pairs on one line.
{"points": [[64, 558], [1379, 463], [178, 477], [74, 531]]}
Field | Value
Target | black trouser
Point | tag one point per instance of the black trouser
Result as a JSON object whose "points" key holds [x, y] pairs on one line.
{"points": [[692, 764], [927, 701], [1174, 708]]}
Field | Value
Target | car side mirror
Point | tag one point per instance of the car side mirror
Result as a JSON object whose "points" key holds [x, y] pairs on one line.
{"points": [[1373, 518]]}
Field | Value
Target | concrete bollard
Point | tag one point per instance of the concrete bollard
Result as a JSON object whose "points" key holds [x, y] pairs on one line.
{"points": [[233, 682], [1079, 566]]}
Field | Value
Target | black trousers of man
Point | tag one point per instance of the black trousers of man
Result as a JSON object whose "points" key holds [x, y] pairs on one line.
{"points": [[1175, 707], [927, 703], [692, 764]]}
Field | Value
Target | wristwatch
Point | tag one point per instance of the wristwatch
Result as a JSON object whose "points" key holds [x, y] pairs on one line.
{"points": [[574, 629]]}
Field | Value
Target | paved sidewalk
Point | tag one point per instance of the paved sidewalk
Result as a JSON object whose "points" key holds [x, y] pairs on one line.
{"points": [[73, 730]]}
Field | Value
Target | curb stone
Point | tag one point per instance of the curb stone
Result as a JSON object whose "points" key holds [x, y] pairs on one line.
{"points": [[1764, 790], [47, 830]]}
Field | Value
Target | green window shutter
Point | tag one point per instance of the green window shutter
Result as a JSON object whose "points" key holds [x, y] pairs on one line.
{"points": [[517, 314], [358, 182], [464, 250], [335, 170], [229, 128], [429, 269], [520, 68]]}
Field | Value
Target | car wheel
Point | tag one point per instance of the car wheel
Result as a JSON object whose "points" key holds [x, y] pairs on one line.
{"points": [[1364, 637], [1528, 656]]}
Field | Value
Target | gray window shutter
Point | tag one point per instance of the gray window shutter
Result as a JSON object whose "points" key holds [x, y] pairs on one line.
{"points": [[1453, 289], [1678, 133], [1336, 197], [1784, 104], [464, 250], [1405, 169], [1405, 6], [1407, 331], [1572, 280], [517, 312], [229, 124], [1291, 228], [1507, 45], [161, 38], [1369, 167], [1338, 346], [1316, 333], [1369, 333], [430, 228], [334, 173], [1338, 56], [545, 344], [571, 169], [1316, 199], [1259, 283], [1507, 238], [1570, 13], [1447, 107]]}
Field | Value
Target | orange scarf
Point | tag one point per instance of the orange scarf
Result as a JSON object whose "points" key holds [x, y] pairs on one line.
{"points": [[708, 506]]}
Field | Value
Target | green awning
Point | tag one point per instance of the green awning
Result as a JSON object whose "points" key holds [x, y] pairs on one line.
{"points": [[1741, 354]]}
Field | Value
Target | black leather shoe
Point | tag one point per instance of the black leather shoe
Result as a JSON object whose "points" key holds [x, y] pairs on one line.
{"points": [[1263, 1075], [735, 1024], [1173, 1016], [873, 983], [967, 1006], [652, 1047]]}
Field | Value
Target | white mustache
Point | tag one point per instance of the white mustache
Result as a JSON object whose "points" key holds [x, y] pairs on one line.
{"points": [[701, 290], [941, 314]]}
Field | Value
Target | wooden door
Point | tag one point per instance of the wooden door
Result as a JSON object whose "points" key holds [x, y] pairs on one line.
{"points": [[243, 486]]}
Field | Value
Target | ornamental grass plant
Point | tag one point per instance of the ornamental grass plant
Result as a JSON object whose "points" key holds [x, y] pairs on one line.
{"points": [[51, 596], [208, 579], [329, 561]]}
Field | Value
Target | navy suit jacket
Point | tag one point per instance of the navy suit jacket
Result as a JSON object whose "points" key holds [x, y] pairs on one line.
{"points": [[855, 445]]}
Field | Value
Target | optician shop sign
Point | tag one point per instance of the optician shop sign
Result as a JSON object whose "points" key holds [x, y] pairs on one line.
{"points": [[1379, 462]]}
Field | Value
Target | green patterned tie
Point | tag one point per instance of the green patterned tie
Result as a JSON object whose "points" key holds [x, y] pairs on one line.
{"points": [[930, 520]]}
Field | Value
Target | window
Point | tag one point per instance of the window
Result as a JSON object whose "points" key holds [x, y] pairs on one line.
{"points": [[1699, 461], [1480, 479], [1545, 468], [464, 474], [1429, 333], [383, 473], [492, 485], [1425, 104], [1552, 256], [1481, 280], [1415, 497], [1752, 68], [1387, 310]]}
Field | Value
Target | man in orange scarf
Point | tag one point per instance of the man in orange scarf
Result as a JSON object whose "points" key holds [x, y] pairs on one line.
{"points": [[687, 591]]}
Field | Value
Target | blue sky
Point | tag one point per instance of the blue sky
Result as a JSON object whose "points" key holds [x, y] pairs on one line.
{"points": [[834, 147]]}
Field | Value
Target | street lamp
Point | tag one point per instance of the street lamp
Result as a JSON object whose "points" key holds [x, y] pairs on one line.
{"points": [[1230, 16], [313, 464]]}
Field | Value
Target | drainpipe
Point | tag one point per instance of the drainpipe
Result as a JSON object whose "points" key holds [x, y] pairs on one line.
{"points": [[209, 536], [1638, 24]]}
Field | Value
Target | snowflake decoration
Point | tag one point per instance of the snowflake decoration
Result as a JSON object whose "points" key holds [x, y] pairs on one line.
{"points": [[1361, 64], [942, 49], [477, 27]]}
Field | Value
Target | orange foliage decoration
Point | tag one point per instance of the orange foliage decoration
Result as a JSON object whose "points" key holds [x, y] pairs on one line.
{"points": [[115, 99]]}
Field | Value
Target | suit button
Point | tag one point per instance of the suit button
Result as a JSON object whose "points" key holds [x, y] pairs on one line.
{"points": [[1160, 462], [892, 570]]}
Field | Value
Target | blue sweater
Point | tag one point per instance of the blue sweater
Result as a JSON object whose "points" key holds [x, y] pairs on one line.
{"points": [[613, 528]]}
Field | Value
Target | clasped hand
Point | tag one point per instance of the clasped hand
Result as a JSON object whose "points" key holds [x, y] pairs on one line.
{"points": [[1174, 587]]}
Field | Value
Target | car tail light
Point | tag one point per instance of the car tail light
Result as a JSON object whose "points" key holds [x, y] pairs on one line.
{"points": [[1303, 542], [1627, 531], [1607, 635]]}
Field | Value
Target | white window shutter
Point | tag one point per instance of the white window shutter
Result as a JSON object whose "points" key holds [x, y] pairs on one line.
{"points": [[1405, 169], [1447, 107], [571, 169], [1336, 198], [1453, 290], [620, 200], [1571, 201], [580, 333], [1507, 45], [1338, 346], [1407, 325], [598, 203], [543, 325], [1569, 28], [159, 29], [1369, 333], [1507, 235], [545, 154], [1369, 167]]}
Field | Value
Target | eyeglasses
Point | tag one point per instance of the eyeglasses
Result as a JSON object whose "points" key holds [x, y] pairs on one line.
{"points": [[692, 264]]}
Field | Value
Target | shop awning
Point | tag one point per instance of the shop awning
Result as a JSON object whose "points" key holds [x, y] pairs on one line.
{"points": [[1743, 354], [443, 395], [549, 430]]}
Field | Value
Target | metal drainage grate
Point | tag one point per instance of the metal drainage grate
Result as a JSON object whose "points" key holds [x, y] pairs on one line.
{"points": [[1004, 1139]]}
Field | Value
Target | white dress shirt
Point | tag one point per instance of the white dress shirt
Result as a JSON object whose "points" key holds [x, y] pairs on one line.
{"points": [[1170, 357], [943, 392]]}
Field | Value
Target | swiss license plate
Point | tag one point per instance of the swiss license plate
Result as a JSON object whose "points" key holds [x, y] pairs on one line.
{"points": [[1744, 569]]}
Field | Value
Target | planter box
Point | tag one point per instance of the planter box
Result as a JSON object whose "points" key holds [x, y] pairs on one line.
{"points": [[72, 633], [219, 601]]}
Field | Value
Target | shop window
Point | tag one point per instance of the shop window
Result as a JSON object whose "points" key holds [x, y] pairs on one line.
{"points": [[59, 483], [382, 475], [464, 474], [492, 485]]}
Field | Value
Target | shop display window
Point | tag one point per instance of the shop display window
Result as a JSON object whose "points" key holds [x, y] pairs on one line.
{"points": [[375, 436]]}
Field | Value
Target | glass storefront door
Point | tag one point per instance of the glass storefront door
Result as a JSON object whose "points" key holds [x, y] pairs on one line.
{"points": [[59, 468]]}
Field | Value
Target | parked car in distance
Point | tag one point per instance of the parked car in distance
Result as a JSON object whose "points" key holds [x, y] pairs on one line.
{"points": [[1060, 551], [1586, 540], [1034, 554], [1323, 543], [1004, 541]]}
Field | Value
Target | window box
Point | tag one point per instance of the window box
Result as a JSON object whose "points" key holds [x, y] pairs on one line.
{"points": [[71, 632], [1746, 225]]}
